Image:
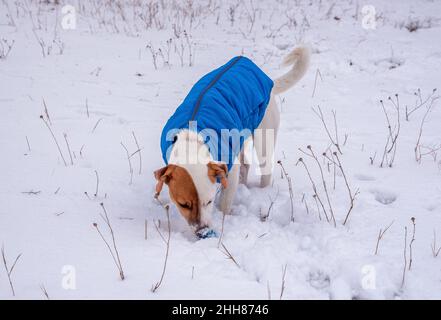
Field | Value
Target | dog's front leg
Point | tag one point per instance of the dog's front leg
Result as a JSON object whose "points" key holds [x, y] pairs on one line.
{"points": [[227, 194]]}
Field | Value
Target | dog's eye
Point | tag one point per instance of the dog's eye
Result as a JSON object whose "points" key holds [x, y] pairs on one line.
{"points": [[208, 203], [185, 205]]}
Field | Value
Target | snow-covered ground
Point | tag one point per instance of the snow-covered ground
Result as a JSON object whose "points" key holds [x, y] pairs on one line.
{"points": [[100, 86]]}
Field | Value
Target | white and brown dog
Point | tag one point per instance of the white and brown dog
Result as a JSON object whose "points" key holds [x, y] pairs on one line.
{"points": [[237, 97]]}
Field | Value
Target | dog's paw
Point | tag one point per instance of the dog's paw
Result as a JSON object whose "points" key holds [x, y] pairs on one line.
{"points": [[205, 233]]}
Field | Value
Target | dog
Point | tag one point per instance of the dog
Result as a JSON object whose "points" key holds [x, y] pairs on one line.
{"points": [[197, 141]]}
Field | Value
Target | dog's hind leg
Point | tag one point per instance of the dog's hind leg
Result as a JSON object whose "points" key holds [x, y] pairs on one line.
{"points": [[243, 175], [265, 141], [245, 157]]}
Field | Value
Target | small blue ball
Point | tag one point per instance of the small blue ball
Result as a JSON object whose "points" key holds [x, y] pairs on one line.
{"points": [[206, 233]]}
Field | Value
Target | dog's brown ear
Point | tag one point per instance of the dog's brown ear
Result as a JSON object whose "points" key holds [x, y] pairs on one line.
{"points": [[218, 170], [163, 175]]}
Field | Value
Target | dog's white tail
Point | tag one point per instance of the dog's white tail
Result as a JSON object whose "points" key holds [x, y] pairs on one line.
{"points": [[299, 60]]}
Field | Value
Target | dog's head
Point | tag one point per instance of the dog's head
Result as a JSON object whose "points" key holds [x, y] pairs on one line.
{"points": [[192, 188]]}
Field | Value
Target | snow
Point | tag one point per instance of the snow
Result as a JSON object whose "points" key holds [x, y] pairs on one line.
{"points": [[105, 62]]}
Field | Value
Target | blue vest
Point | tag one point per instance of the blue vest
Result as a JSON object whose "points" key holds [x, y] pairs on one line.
{"points": [[232, 98]]}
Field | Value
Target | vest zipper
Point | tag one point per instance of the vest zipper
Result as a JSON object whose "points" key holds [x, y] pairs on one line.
{"points": [[212, 83]]}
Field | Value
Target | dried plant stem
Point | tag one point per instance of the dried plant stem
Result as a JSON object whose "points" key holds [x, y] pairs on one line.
{"points": [[154, 55], [113, 239], [32, 192], [5, 45], [306, 203], [314, 187], [318, 207], [42, 44], [420, 104], [325, 188], [403, 279], [435, 249], [167, 211], [433, 151], [222, 230], [87, 108], [108, 247], [411, 243], [334, 139], [272, 201], [352, 196], [380, 236], [337, 144], [317, 74], [372, 159], [97, 183], [9, 270], [43, 289], [145, 229], [417, 149], [46, 112], [96, 124], [334, 176], [346, 139], [282, 289], [130, 163], [384, 158], [190, 49], [291, 192], [268, 289], [29, 145], [391, 141], [114, 252], [157, 226], [55, 139], [139, 152], [390, 134], [68, 148], [229, 255], [397, 132]]}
